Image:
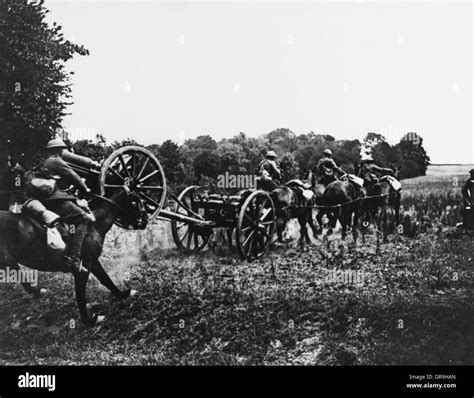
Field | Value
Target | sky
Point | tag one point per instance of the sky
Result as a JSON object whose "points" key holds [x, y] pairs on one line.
{"points": [[177, 70]]}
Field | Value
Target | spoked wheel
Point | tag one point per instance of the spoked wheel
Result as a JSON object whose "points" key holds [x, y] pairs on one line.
{"points": [[139, 170], [255, 226], [189, 238]]}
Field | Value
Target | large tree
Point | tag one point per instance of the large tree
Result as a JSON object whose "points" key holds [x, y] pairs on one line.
{"points": [[35, 87]]}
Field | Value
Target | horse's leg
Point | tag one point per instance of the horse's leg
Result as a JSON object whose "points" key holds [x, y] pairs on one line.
{"points": [[99, 272], [397, 211], [333, 217], [319, 219], [355, 223], [280, 225], [311, 223], [80, 282], [303, 231], [343, 219], [385, 219]]}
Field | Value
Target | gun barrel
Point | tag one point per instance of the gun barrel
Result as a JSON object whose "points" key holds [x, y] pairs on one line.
{"points": [[78, 160]]}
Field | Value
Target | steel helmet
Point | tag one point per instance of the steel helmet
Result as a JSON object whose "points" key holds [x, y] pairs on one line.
{"points": [[327, 152], [471, 171], [56, 143], [271, 154]]}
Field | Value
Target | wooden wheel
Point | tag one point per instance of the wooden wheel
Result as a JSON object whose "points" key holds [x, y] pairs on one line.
{"points": [[189, 238], [255, 226], [137, 168]]}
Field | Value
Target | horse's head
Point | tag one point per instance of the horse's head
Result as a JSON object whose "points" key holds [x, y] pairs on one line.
{"points": [[396, 171], [309, 177], [131, 207], [136, 207]]}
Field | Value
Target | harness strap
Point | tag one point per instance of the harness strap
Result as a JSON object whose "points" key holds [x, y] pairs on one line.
{"points": [[122, 211]]}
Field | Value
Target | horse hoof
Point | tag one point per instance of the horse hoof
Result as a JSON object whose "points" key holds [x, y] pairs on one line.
{"points": [[133, 293]]}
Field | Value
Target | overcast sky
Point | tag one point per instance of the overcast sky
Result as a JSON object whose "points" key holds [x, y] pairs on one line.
{"points": [[162, 70]]}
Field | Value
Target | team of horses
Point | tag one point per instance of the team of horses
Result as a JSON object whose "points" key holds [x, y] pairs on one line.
{"points": [[22, 240], [340, 201]]}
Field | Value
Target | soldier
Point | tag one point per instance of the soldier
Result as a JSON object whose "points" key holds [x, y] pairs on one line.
{"points": [[269, 173], [468, 196], [64, 203], [371, 173], [327, 167]]}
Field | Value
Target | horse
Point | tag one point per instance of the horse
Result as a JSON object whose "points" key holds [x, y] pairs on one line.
{"points": [[23, 242], [385, 197], [342, 197], [289, 203], [318, 190]]}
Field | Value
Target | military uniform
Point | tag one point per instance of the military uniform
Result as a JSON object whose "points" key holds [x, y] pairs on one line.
{"points": [[269, 168], [64, 203], [268, 173], [371, 173], [327, 168]]}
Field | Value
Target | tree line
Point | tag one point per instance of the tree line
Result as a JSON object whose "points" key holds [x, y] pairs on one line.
{"points": [[202, 159]]}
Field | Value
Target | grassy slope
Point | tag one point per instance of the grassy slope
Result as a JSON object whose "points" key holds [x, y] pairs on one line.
{"points": [[414, 307]]}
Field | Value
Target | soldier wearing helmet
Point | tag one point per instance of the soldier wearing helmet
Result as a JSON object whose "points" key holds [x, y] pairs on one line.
{"points": [[63, 203], [468, 196], [327, 167], [268, 172], [370, 172]]}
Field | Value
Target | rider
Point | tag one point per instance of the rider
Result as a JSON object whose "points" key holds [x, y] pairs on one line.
{"points": [[64, 203], [468, 196], [371, 173], [326, 167], [269, 172]]}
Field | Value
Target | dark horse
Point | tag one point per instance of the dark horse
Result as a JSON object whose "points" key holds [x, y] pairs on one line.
{"points": [[318, 190], [21, 242], [342, 198], [385, 196], [290, 203]]}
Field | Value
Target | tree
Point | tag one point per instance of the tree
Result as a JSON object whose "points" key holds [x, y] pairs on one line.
{"points": [[385, 154], [370, 141], [307, 157], [169, 156], [35, 88], [414, 159], [97, 150]]}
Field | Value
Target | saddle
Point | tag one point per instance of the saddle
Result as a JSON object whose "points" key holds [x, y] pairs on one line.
{"points": [[44, 221], [301, 188], [394, 183]]}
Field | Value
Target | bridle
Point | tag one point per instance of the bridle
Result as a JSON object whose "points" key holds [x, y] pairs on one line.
{"points": [[123, 212]]}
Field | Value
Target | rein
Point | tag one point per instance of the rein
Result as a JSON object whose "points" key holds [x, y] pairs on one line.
{"points": [[121, 210]]}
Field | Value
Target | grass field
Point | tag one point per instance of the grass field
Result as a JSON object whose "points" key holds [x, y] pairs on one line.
{"points": [[412, 301]]}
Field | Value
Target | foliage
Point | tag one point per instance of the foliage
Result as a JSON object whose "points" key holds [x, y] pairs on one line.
{"points": [[35, 88]]}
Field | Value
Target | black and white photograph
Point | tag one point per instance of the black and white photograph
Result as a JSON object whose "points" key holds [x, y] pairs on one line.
{"points": [[236, 183]]}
